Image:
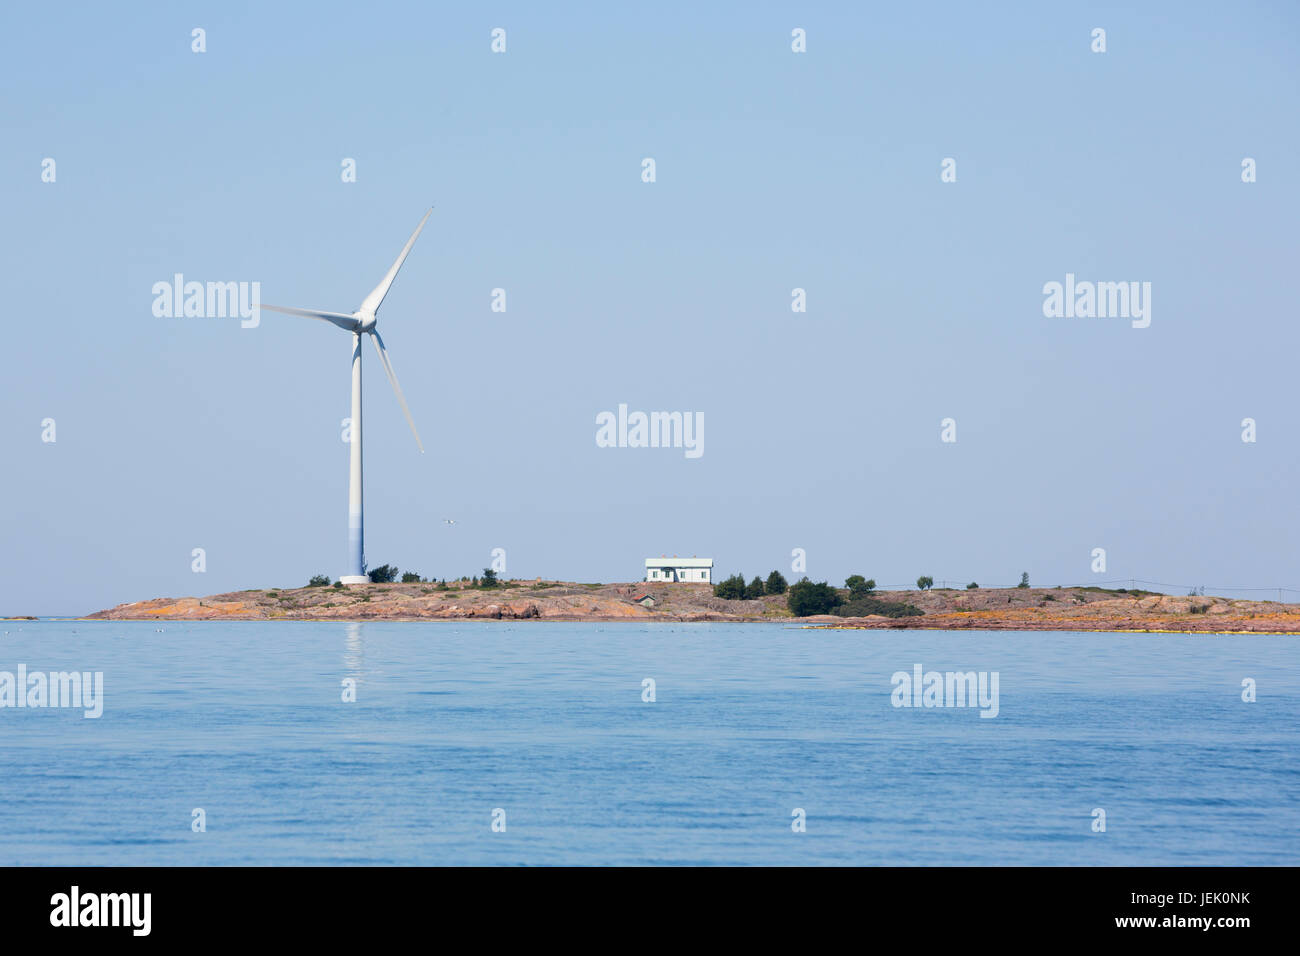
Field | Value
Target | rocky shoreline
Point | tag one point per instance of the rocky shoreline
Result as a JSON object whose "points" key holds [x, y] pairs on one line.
{"points": [[1003, 609]]}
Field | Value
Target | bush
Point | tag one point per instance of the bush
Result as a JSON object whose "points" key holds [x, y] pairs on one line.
{"points": [[319, 581], [384, 574], [338, 584], [776, 583], [410, 577], [866, 605], [1024, 580], [807, 598], [972, 586], [733, 588], [755, 589], [489, 579], [925, 582]]}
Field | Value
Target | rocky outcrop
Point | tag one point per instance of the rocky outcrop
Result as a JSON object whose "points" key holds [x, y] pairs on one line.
{"points": [[1019, 609]]}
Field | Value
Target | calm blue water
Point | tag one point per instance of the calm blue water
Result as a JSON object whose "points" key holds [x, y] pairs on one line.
{"points": [[546, 721]]}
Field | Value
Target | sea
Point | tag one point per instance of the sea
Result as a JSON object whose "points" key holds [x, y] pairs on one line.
{"points": [[534, 743]]}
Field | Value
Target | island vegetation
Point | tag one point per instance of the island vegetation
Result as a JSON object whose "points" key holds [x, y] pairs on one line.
{"points": [[806, 598]]}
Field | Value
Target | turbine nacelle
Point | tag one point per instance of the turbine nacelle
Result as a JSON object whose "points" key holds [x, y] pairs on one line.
{"points": [[364, 320]]}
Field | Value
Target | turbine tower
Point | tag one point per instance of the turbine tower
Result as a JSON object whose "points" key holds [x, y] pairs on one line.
{"points": [[359, 323]]}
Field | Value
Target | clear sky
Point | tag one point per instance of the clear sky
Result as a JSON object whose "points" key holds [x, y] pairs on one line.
{"points": [[775, 170]]}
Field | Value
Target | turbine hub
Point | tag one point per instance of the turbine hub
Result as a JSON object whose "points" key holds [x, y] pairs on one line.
{"points": [[368, 320]]}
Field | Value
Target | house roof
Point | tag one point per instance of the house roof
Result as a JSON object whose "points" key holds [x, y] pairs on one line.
{"points": [[679, 562]]}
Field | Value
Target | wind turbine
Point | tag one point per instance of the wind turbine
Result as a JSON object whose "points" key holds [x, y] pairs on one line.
{"points": [[359, 323]]}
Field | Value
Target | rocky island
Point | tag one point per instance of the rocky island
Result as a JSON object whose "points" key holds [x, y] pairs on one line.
{"points": [[1009, 609]]}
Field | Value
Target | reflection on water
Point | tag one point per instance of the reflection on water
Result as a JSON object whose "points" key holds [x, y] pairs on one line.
{"points": [[354, 650]]}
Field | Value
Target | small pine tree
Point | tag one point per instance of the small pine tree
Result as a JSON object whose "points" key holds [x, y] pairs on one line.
{"points": [[776, 583], [1024, 580], [384, 574], [733, 588], [755, 589]]}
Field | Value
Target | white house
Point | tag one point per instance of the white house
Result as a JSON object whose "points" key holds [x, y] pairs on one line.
{"points": [[695, 570]]}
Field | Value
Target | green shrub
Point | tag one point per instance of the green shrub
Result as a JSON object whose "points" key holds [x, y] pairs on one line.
{"points": [[972, 586], [410, 577], [925, 582], [733, 588], [867, 605], [807, 598], [489, 579], [319, 581], [384, 574]]}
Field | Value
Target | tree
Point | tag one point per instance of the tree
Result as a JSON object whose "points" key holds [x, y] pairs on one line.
{"points": [[410, 577], [972, 586], [807, 598], [755, 589], [859, 586], [319, 581], [925, 582], [1024, 580], [733, 588], [776, 583], [384, 574], [489, 579]]}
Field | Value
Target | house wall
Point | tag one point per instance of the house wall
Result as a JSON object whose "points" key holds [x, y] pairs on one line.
{"points": [[693, 575]]}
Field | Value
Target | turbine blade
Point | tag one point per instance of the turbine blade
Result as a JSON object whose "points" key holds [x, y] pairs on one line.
{"points": [[392, 380], [373, 301], [348, 322]]}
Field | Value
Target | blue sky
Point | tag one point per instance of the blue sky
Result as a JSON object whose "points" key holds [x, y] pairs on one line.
{"points": [[775, 170]]}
